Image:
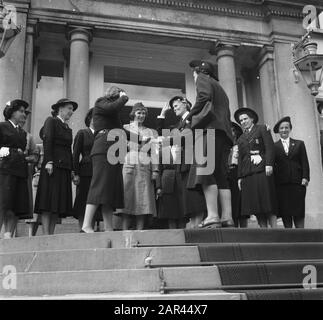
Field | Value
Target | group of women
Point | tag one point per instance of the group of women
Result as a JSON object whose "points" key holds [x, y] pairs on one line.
{"points": [[251, 176]]}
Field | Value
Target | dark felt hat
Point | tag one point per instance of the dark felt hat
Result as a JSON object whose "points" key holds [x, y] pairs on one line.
{"points": [[284, 119], [180, 98], [206, 66], [251, 113], [237, 128], [63, 102], [88, 117], [14, 105]]}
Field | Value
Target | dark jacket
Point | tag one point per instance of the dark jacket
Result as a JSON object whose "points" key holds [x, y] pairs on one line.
{"points": [[181, 125], [82, 146], [106, 115], [57, 139], [294, 167], [15, 164], [257, 141], [208, 89]]}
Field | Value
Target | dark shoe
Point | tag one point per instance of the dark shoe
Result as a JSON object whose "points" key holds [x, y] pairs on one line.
{"points": [[227, 224]]}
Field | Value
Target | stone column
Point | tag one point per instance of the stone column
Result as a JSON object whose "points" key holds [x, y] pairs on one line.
{"points": [[12, 66], [227, 74], [296, 101], [268, 86], [78, 78], [28, 88]]}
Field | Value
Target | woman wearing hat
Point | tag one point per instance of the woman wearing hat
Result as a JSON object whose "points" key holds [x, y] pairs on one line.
{"points": [[211, 112], [82, 166], [54, 193], [292, 175], [239, 220], [255, 169], [138, 176], [106, 188], [14, 201]]}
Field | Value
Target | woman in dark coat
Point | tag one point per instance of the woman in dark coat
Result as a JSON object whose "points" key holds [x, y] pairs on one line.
{"points": [[215, 185], [239, 220], [82, 166], [54, 193], [14, 201], [255, 169], [106, 189], [292, 175]]}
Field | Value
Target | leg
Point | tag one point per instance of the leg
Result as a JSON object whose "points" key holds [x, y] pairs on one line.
{"points": [[53, 221], [211, 197], [262, 221], [273, 221], [107, 213], [288, 222], [126, 220], [45, 219], [195, 221], [236, 222], [88, 217], [299, 222], [80, 220], [225, 201], [243, 222], [140, 222]]}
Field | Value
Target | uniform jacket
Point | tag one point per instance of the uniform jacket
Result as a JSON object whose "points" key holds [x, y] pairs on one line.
{"points": [[256, 142], [15, 164], [291, 168], [57, 139], [82, 146], [106, 115], [181, 125], [208, 89]]}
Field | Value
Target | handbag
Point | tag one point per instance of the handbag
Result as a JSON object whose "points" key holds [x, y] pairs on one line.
{"points": [[204, 117]]}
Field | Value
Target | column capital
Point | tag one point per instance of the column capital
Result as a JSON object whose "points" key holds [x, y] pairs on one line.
{"points": [[266, 53], [79, 33], [223, 49], [32, 28]]}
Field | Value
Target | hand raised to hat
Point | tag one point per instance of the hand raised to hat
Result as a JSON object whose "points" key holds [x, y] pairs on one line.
{"points": [[165, 109]]}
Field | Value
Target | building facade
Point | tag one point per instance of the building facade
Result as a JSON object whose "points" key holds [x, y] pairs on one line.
{"points": [[78, 48]]}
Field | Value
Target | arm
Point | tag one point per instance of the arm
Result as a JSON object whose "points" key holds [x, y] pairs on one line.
{"points": [[305, 163], [269, 146], [48, 140], [203, 89], [77, 148], [33, 154], [106, 107]]}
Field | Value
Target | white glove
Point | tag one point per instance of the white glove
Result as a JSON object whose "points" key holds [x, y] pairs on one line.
{"points": [[4, 152], [256, 159]]}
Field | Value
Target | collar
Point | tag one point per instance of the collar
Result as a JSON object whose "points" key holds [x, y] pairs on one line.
{"points": [[58, 117], [184, 116], [14, 125], [92, 130], [286, 140]]}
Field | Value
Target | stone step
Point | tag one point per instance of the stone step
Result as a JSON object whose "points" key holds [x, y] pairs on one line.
{"points": [[108, 281], [187, 295], [98, 259], [115, 239]]}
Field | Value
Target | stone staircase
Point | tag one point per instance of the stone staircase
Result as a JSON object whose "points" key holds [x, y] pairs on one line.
{"points": [[219, 264]]}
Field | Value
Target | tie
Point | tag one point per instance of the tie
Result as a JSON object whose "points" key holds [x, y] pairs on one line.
{"points": [[285, 145]]}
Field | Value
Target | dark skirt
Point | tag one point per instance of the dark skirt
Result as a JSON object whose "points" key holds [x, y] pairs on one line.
{"points": [[291, 200], [193, 199], [54, 192], [258, 195], [107, 183], [170, 204], [82, 191], [218, 162], [14, 196], [235, 193]]}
